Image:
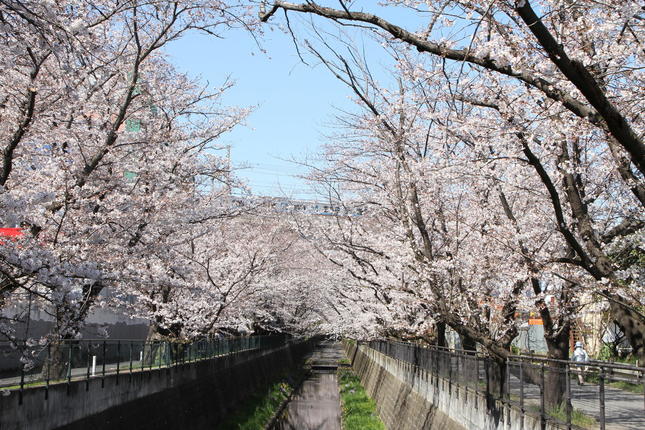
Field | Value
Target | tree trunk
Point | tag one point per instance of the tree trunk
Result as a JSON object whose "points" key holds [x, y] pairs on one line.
{"points": [[495, 369], [441, 334], [468, 343], [555, 378], [60, 360], [632, 325]]}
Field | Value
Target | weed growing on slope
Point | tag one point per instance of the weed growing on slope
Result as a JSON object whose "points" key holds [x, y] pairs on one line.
{"points": [[359, 411]]}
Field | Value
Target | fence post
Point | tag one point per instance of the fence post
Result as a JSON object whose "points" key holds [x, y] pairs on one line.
{"points": [[567, 372], [436, 371], [87, 375], [601, 385], [508, 381], [69, 366], [130, 359], [47, 374], [487, 394], [22, 382], [476, 375], [542, 399], [522, 389], [103, 367], [450, 373], [118, 360], [459, 377]]}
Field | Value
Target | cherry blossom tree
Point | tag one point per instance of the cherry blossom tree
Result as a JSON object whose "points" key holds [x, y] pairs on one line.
{"points": [[558, 99], [498, 162], [107, 150]]}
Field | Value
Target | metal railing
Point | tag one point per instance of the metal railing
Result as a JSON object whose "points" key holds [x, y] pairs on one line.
{"points": [[73, 360], [562, 393]]}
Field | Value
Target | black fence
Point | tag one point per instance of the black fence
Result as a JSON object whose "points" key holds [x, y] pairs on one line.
{"points": [[561, 393], [73, 360]]}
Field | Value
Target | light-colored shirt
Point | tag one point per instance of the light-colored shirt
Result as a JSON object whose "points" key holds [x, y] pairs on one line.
{"points": [[579, 354]]}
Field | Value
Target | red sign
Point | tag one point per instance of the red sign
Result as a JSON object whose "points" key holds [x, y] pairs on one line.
{"points": [[10, 232]]}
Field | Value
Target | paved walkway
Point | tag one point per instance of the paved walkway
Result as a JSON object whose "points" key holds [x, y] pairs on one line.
{"points": [[316, 405], [77, 373], [623, 409], [80, 373]]}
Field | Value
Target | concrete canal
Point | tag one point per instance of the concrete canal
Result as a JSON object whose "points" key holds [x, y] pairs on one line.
{"points": [[316, 404]]}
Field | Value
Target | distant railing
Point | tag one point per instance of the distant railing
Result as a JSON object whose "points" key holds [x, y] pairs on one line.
{"points": [[611, 393], [73, 360]]}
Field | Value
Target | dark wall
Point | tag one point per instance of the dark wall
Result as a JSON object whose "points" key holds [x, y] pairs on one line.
{"points": [[191, 396], [10, 358]]}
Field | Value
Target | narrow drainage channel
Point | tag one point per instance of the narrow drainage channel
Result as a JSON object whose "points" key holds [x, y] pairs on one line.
{"points": [[316, 404]]}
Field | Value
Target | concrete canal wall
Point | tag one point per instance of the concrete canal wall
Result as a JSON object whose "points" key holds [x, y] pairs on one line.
{"points": [[192, 395], [411, 398]]}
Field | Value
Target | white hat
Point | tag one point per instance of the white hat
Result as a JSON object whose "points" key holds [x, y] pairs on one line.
{"points": [[578, 344]]}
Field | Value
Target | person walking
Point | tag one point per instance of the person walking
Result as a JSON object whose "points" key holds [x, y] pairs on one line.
{"points": [[580, 356]]}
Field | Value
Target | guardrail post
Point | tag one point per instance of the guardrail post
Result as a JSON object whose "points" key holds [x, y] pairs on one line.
{"points": [[601, 385]]}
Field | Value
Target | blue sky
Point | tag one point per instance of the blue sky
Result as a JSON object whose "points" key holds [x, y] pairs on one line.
{"points": [[295, 103]]}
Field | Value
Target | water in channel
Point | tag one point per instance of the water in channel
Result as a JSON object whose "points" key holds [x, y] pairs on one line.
{"points": [[316, 405]]}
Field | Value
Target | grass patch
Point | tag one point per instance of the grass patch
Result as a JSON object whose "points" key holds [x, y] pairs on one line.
{"points": [[260, 408], [41, 383], [628, 386], [359, 411], [621, 385], [578, 418], [29, 385]]}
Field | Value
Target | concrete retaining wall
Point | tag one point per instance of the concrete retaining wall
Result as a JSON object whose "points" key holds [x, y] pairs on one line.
{"points": [[194, 395], [411, 398]]}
